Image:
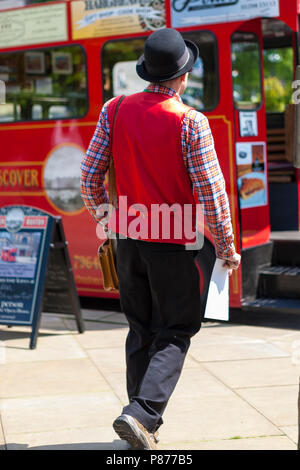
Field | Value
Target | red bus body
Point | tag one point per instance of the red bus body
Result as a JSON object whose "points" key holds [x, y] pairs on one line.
{"points": [[26, 146]]}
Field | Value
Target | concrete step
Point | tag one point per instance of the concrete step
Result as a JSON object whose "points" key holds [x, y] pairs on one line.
{"points": [[286, 252], [279, 282]]}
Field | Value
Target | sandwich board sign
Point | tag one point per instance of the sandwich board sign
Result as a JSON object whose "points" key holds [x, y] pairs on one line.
{"points": [[35, 269]]}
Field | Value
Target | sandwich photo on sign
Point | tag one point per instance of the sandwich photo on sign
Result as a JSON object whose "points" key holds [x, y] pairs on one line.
{"points": [[252, 179]]}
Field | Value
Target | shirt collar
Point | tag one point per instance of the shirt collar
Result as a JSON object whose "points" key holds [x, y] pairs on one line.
{"points": [[157, 88]]}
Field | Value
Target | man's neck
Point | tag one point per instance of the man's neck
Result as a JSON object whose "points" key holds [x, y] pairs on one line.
{"points": [[171, 84]]}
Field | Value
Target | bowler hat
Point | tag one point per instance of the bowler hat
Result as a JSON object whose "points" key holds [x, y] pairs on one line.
{"points": [[166, 56]]}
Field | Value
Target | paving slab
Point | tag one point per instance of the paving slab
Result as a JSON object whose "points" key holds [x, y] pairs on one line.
{"points": [[286, 340], [248, 331], [230, 347], [279, 404], [58, 412], [109, 360], [258, 373], [291, 432], [85, 438], [117, 381], [89, 314], [238, 390], [255, 443], [191, 363], [53, 321], [2, 352], [52, 377], [290, 344], [100, 334], [116, 318], [50, 323], [2, 440], [50, 346], [202, 408]]}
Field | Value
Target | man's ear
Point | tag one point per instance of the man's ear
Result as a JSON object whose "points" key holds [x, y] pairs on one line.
{"points": [[184, 77]]}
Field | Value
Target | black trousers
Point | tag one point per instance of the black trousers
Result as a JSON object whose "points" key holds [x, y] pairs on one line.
{"points": [[160, 296]]}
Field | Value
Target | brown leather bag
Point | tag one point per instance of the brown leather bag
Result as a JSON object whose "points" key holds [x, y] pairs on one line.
{"points": [[107, 249]]}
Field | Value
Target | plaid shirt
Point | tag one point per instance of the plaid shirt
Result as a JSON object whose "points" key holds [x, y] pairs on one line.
{"points": [[200, 159]]}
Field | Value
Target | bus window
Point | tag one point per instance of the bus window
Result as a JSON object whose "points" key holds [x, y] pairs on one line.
{"points": [[58, 112], [125, 80], [278, 77], [39, 81], [246, 71], [9, 112], [36, 112], [119, 75], [202, 90], [118, 67]]}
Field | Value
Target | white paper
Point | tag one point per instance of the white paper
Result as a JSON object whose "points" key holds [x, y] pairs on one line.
{"points": [[217, 305]]}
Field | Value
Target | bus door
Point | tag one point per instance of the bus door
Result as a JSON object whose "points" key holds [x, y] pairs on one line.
{"points": [[280, 59], [250, 133]]}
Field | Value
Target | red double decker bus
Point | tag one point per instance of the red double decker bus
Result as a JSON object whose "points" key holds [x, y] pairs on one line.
{"points": [[60, 61]]}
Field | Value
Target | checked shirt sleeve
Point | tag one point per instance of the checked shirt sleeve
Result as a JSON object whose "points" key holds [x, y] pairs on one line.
{"points": [[94, 166], [207, 179]]}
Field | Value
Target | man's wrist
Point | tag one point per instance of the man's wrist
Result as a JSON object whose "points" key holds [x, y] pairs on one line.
{"points": [[220, 253]]}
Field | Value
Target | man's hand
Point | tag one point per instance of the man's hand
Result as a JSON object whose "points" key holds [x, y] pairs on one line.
{"points": [[104, 225], [232, 263], [102, 214]]}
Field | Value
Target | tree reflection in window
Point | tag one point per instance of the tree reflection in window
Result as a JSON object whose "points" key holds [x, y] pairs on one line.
{"points": [[246, 71]]}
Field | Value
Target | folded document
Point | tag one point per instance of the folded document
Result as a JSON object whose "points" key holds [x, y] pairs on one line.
{"points": [[217, 305]]}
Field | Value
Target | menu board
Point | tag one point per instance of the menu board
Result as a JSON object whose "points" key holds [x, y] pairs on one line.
{"points": [[93, 18], [251, 173], [197, 12], [25, 235], [35, 269], [35, 25]]}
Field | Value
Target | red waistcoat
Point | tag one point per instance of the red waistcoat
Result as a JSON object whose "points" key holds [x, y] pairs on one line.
{"points": [[150, 171]]}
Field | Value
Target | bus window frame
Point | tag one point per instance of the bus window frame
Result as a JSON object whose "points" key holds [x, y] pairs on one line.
{"points": [[35, 121], [258, 108], [216, 44]]}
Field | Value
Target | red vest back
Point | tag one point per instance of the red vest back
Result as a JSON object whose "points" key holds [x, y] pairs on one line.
{"points": [[150, 171]]}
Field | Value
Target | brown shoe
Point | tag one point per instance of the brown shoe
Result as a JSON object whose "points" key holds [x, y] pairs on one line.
{"points": [[132, 431]]}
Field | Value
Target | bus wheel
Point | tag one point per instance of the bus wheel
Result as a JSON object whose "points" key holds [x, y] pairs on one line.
{"points": [[205, 261]]}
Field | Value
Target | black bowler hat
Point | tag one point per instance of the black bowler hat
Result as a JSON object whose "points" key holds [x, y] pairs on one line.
{"points": [[166, 56]]}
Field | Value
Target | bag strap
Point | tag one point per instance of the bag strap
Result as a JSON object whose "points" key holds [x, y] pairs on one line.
{"points": [[112, 187]]}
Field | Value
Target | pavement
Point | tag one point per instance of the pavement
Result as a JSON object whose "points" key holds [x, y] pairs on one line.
{"points": [[238, 389]]}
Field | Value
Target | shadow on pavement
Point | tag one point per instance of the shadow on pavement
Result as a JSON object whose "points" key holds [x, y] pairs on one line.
{"points": [[114, 445]]}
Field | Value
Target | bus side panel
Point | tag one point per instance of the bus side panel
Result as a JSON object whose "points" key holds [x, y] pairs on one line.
{"points": [[25, 179]]}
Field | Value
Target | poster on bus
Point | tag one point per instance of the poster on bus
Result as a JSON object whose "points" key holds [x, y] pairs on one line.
{"points": [[94, 18], [24, 244], [251, 174], [36, 25], [199, 12]]}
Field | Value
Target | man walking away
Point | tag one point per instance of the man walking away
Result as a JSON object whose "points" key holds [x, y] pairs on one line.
{"points": [[162, 151]]}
